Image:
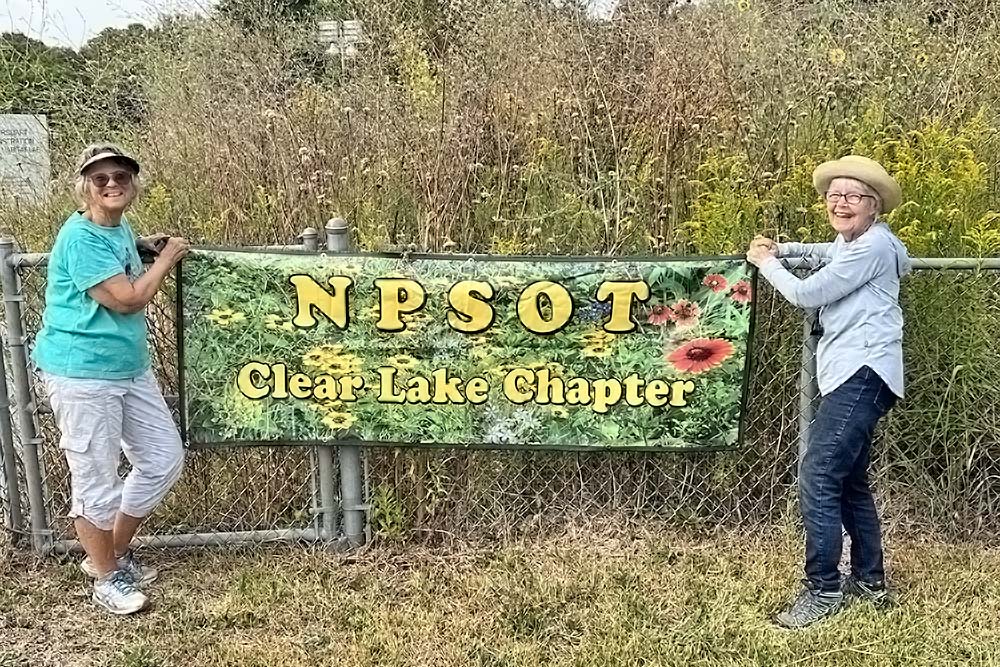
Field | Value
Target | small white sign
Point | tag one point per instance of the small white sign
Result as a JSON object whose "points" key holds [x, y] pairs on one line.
{"points": [[24, 157], [340, 37]]}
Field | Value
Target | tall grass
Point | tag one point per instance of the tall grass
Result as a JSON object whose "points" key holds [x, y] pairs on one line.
{"points": [[516, 126]]}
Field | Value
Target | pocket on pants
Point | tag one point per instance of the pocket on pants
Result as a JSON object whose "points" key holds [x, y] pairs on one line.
{"points": [[78, 424]]}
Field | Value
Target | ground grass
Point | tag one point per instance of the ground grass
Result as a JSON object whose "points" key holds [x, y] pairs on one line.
{"points": [[661, 599]]}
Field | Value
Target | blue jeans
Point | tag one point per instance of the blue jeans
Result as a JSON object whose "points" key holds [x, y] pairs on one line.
{"points": [[833, 482]]}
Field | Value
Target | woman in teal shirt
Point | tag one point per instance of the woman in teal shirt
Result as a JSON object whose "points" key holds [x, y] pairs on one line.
{"points": [[94, 358]]}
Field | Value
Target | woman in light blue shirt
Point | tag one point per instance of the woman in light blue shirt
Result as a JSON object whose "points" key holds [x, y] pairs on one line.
{"points": [[860, 374], [94, 358]]}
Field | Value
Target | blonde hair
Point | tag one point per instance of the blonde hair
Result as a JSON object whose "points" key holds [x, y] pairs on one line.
{"points": [[80, 182]]}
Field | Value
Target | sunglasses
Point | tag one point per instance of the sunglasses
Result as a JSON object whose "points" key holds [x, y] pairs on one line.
{"points": [[119, 177]]}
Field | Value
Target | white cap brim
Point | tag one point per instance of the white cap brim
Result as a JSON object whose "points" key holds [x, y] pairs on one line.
{"points": [[110, 156]]}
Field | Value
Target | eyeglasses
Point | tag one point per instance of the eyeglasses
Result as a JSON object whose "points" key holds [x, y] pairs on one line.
{"points": [[119, 177], [853, 198]]}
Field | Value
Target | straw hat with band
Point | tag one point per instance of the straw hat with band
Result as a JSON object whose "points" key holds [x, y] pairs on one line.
{"points": [[862, 169], [110, 155]]}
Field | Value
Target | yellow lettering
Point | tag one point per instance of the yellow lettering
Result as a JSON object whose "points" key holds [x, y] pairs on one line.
{"points": [[477, 390], [578, 391], [622, 294], [326, 388], [280, 381], [633, 390], [446, 390], [418, 390], [300, 385], [529, 307], [387, 386], [606, 393], [470, 312], [397, 296], [681, 387], [348, 384], [549, 389], [657, 393], [311, 295], [246, 379], [512, 390]]}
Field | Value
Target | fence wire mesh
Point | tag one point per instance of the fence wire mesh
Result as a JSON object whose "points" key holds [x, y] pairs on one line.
{"points": [[936, 467], [13, 498]]}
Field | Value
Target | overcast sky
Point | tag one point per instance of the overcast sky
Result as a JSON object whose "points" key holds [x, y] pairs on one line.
{"points": [[72, 22]]}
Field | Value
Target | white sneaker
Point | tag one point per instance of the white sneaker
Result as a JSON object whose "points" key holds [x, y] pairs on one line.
{"points": [[118, 594], [142, 575]]}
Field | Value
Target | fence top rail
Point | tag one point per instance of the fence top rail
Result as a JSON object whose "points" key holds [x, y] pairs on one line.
{"points": [[29, 260], [925, 263], [38, 259]]}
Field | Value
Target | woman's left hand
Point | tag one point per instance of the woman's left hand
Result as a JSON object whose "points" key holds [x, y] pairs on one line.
{"points": [[759, 253]]}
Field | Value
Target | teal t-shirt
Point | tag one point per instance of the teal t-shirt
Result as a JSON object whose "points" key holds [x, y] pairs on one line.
{"points": [[80, 338]]}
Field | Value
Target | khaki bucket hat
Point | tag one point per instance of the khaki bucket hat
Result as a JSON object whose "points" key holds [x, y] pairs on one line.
{"points": [[863, 169]]}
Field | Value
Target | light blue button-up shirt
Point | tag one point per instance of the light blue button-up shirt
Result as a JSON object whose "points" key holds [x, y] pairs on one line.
{"points": [[857, 294]]}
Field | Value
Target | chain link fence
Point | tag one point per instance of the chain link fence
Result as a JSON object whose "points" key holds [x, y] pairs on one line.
{"points": [[936, 467]]}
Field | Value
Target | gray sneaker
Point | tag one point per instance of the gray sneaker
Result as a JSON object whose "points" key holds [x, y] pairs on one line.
{"points": [[810, 607], [142, 575], [856, 590], [118, 594]]}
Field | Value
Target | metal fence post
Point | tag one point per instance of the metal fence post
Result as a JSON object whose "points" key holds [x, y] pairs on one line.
{"points": [[808, 385], [40, 531], [14, 519], [351, 472], [328, 509]]}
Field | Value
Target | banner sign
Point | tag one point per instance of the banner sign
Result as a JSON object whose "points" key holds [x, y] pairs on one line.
{"points": [[495, 352]]}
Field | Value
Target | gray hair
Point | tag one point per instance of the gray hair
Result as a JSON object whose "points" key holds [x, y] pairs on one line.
{"points": [[80, 182]]}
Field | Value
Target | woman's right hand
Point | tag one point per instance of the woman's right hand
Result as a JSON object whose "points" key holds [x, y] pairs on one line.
{"points": [[766, 243], [174, 251]]}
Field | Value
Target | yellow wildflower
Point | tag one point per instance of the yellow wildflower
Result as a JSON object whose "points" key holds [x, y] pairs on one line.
{"points": [[341, 366], [330, 351], [837, 56], [596, 337], [347, 269], [323, 355], [338, 420], [329, 405], [598, 351], [401, 361], [275, 322], [225, 316], [313, 357]]}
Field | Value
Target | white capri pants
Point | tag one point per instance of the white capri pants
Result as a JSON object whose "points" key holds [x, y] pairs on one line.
{"points": [[98, 419]]}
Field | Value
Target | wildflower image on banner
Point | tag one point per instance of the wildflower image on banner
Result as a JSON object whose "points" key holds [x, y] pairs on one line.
{"points": [[498, 352]]}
